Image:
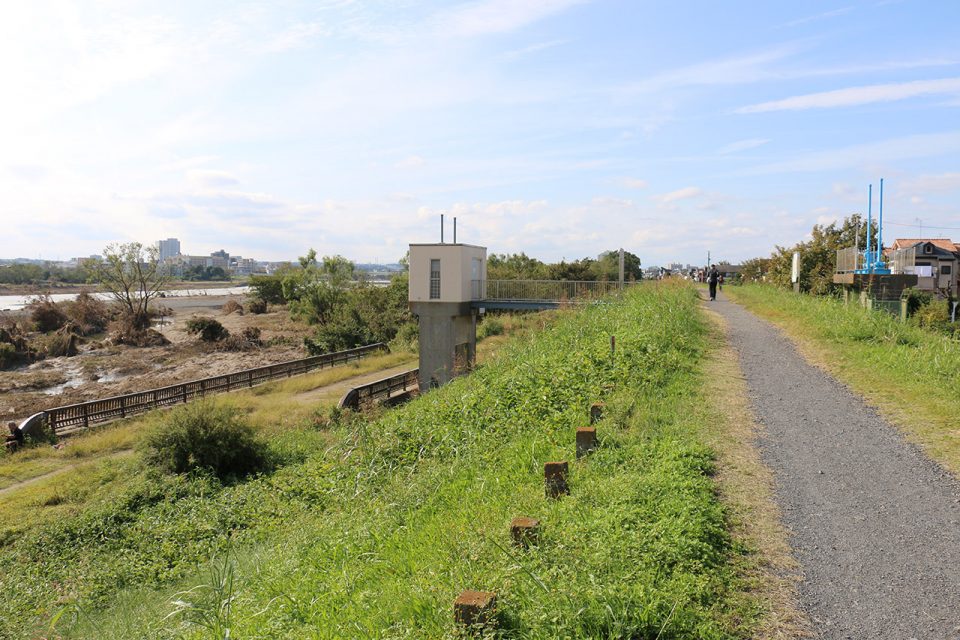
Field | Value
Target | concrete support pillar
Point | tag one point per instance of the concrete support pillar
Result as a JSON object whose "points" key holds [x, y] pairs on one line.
{"points": [[586, 440], [475, 609], [524, 531], [596, 412], [555, 479]]}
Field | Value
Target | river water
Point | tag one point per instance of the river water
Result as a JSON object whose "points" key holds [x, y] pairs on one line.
{"points": [[16, 303]]}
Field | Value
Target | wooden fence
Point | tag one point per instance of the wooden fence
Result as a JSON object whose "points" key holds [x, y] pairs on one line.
{"points": [[384, 389], [65, 420]]}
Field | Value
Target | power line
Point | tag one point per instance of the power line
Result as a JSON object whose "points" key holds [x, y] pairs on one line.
{"points": [[928, 226]]}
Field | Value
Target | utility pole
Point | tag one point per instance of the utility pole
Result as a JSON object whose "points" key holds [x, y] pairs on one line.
{"points": [[621, 268]]}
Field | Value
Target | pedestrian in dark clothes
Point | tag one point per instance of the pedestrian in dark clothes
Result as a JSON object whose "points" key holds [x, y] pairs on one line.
{"points": [[713, 277]]}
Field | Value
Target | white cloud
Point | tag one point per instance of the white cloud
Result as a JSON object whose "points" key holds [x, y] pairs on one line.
{"points": [[633, 183], [680, 194], [410, 162], [855, 96], [938, 182], [297, 36], [743, 145], [211, 179]]}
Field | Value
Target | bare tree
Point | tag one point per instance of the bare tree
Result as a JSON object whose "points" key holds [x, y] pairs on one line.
{"points": [[132, 274]]}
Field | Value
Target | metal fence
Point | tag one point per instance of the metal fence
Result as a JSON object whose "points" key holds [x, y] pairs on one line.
{"points": [[848, 260], [381, 389], [74, 417], [904, 260], [543, 290]]}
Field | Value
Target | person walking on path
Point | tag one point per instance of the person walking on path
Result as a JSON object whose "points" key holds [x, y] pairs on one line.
{"points": [[713, 277]]}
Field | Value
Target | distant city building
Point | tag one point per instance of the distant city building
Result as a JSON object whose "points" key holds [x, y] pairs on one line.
{"points": [[220, 254], [169, 248]]}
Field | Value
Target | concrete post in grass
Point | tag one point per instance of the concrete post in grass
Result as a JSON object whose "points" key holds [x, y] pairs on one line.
{"points": [[474, 609], [586, 440], [555, 479], [525, 531], [596, 412]]}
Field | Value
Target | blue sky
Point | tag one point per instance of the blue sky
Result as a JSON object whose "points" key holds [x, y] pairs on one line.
{"points": [[556, 127]]}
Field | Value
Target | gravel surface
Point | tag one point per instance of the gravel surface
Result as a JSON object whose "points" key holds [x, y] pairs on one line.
{"points": [[874, 523]]}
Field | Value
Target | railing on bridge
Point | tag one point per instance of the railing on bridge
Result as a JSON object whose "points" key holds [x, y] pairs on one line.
{"points": [[383, 389], [543, 290], [75, 417]]}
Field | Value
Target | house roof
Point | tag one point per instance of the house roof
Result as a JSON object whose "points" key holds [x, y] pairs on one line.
{"points": [[944, 243]]}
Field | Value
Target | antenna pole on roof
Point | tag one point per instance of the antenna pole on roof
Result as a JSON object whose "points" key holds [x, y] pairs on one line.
{"points": [[454, 229], [441, 228]]}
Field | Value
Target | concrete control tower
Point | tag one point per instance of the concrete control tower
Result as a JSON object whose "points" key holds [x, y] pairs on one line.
{"points": [[445, 279]]}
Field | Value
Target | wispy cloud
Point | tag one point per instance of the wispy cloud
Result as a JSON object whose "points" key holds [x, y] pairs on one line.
{"points": [[855, 96], [534, 48], [297, 36], [826, 15], [866, 155], [488, 17], [743, 145]]}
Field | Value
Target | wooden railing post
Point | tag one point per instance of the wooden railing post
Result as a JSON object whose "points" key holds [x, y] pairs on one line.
{"points": [[86, 419], [183, 393], [155, 399], [123, 406]]}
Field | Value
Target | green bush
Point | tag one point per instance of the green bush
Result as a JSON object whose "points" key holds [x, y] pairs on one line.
{"points": [[209, 329], [935, 316], [916, 300], [205, 436], [490, 326]]}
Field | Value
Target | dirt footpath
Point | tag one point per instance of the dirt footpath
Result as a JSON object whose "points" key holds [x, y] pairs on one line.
{"points": [[875, 524]]}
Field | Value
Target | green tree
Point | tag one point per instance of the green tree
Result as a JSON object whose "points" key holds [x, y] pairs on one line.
{"points": [[132, 275]]}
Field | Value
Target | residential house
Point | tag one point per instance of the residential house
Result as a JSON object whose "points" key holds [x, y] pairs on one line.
{"points": [[936, 263]]}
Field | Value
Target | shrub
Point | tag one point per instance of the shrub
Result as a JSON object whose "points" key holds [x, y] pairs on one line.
{"points": [[232, 306], [256, 305], [209, 329], [916, 300], [203, 435], [46, 315], [935, 316], [62, 342], [248, 339], [89, 314], [8, 355], [490, 326]]}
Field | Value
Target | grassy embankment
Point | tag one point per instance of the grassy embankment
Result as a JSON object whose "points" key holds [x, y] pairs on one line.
{"points": [[912, 375], [370, 528]]}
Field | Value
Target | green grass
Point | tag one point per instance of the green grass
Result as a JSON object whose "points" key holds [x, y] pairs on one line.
{"points": [[370, 528], [912, 375]]}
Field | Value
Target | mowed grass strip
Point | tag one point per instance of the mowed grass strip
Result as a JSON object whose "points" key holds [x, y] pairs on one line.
{"points": [[374, 533], [912, 375]]}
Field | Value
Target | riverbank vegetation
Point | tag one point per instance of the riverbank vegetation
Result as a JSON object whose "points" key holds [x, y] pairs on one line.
{"points": [[369, 525]]}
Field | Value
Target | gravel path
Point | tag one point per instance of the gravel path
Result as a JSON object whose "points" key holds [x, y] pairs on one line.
{"points": [[875, 524]]}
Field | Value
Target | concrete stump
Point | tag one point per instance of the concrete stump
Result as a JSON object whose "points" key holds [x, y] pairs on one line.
{"points": [[586, 440], [525, 531], [555, 479], [596, 412], [474, 608]]}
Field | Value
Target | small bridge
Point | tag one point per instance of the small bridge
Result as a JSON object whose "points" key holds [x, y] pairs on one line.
{"points": [[533, 295]]}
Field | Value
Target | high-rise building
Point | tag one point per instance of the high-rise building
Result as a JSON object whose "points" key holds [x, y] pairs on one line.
{"points": [[169, 248]]}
